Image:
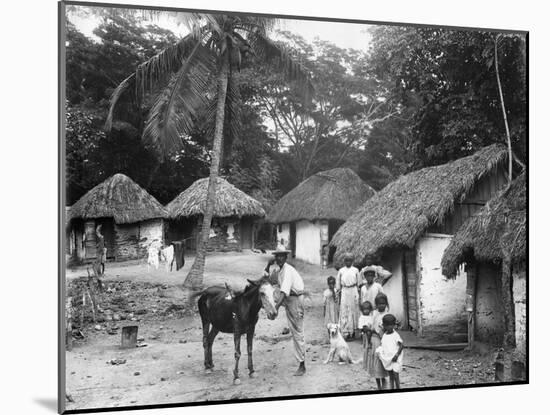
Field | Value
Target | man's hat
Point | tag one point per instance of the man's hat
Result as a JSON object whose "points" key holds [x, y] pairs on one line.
{"points": [[281, 250]]}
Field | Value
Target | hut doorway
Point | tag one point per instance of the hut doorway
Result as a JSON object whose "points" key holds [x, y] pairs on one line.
{"points": [[333, 226], [108, 231], [292, 241], [246, 234], [89, 240]]}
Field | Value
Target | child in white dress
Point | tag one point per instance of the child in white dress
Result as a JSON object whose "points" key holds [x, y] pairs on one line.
{"points": [[390, 352], [365, 325]]}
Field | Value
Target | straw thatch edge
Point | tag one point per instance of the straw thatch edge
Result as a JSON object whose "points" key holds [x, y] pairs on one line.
{"points": [[331, 194], [498, 230], [399, 214], [230, 201], [120, 198]]}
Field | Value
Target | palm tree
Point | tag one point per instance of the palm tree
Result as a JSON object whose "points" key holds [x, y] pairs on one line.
{"points": [[195, 77]]}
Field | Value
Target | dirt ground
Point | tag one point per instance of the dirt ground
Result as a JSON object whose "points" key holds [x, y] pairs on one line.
{"points": [[169, 369]]}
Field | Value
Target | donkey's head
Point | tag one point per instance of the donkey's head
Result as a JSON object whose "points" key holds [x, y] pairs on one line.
{"points": [[267, 296]]}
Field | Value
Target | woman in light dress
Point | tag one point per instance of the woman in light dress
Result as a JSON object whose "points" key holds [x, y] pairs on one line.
{"points": [[347, 284]]}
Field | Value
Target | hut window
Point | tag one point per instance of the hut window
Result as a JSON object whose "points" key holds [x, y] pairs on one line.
{"points": [[280, 228]]}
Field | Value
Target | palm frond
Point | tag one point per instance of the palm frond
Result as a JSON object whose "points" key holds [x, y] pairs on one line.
{"points": [[293, 69], [173, 113]]}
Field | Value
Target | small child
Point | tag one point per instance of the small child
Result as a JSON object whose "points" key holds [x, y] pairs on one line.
{"points": [[330, 311], [377, 369], [390, 350], [365, 324]]}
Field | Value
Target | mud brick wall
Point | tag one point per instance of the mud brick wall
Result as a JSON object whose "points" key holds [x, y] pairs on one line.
{"points": [[126, 242], [442, 300], [219, 240], [149, 231], [489, 318], [132, 240]]}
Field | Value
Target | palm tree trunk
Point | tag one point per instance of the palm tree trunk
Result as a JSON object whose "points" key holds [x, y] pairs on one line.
{"points": [[194, 279], [508, 139]]}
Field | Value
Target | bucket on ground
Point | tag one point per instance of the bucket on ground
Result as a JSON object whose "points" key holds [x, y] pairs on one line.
{"points": [[129, 336]]}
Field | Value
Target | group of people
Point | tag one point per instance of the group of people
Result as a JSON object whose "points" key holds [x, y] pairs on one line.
{"points": [[356, 302], [345, 296]]}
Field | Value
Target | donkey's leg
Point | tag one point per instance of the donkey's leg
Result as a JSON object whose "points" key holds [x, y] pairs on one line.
{"points": [[211, 336], [205, 330], [237, 340], [249, 341]]}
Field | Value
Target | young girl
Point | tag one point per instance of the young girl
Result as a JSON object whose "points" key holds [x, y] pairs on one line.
{"points": [[330, 311], [390, 350], [377, 369], [365, 324]]}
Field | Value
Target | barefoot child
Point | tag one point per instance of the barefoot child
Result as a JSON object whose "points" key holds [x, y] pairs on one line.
{"points": [[390, 352], [330, 310], [377, 369], [365, 324]]}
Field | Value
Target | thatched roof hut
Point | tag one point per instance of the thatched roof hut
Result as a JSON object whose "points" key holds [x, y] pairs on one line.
{"points": [[400, 213], [120, 198], [130, 218], [499, 229], [230, 201], [331, 194]]}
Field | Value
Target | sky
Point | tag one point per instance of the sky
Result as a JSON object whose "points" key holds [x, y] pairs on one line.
{"points": [[344, 35]]}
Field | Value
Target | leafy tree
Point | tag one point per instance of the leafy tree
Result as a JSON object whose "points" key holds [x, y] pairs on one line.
{"points": [[194, 77], [447, 78], [329, 131], [94, 68]]}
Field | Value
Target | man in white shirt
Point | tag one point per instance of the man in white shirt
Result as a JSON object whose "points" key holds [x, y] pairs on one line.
{"points": [[291, 286]]}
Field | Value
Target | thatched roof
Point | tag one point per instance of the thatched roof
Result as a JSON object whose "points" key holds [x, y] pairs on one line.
{"points": [[331, 194], [401, 212], [120, 198], [499, 229], [230, 201]]}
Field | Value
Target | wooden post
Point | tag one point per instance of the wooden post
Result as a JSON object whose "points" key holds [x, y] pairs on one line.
{"points": [[404, 283], [508, 303], [69, 324], [418, 292], [471, 283]]}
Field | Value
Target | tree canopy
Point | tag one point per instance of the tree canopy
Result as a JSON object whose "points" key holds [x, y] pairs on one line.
{"points": [[418, 97]]}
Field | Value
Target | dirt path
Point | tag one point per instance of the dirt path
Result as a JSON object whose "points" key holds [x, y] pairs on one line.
{"points": [[170, 368]]}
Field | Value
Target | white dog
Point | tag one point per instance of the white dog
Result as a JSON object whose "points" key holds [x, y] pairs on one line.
{"points": [[338, 346]]}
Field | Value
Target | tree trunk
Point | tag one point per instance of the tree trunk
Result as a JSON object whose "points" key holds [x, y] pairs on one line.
{"points": [[194, 279], [508, 139]]}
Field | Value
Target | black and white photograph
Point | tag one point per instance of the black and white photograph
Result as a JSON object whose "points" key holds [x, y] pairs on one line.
{"points": [[260, 207]]}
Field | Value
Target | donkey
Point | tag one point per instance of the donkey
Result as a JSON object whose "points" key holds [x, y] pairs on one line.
{"points": [[236, 313]]}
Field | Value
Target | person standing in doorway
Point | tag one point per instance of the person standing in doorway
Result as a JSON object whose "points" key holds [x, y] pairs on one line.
{"points": [[291, 297], [101, 252]]}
